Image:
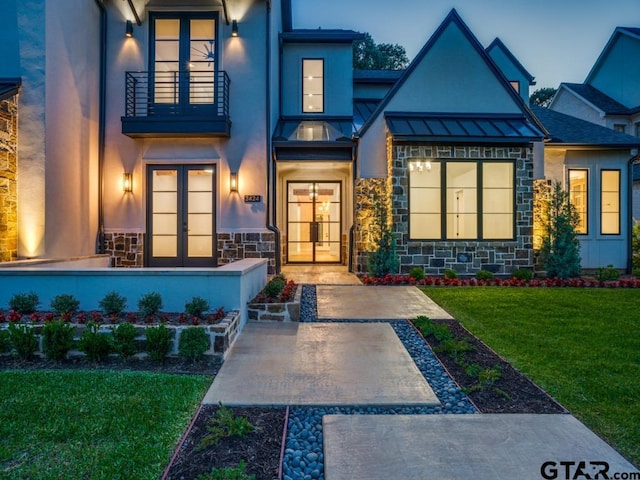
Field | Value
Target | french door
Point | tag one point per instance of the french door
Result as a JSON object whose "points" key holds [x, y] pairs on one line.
{"points": [[180, 216], [314, 222]]}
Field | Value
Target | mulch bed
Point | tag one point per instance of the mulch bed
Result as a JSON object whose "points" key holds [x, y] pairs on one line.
{"points": [[259, 449], [512, 393]]}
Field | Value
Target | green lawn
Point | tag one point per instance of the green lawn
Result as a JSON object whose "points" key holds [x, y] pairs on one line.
{"points": [[93, 424], [581, 345]]}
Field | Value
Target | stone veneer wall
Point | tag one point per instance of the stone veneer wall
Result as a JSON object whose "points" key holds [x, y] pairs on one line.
{"points": [[8, 180], [465, 257], [125, 249]]}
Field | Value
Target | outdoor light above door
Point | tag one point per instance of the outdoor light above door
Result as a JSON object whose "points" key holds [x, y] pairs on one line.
{"points": [[233, 182], [127, 182]]}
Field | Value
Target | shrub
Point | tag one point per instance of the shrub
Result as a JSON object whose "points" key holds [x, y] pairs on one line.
{"points": [[227, 473], [439, 331], [635, 248], [96, 346], [150, 304], [455, 348], [484, 275], [417, 273], [65, 304], [224, 424], [24, 303], [124, 340], [5, 342], [607, 273], [274, 287], [57, 339], [522, 274], [113, 303], [487, 377], [558, 218], [193, 343], [23, 340], [158, 342], [197, 307], [448, 273]]}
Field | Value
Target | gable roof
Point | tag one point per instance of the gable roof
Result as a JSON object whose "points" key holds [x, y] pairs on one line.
{"points": [[595, 97], [452, 18], [497, 43], [320, 35], [567, 130], [632, 32]]}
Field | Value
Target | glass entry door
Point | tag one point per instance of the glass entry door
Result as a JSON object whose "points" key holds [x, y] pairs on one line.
{"points": [[180, 218], [314, 222]]}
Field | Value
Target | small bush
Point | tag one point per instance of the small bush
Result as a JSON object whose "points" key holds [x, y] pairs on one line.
{"points": [[124, 340], [439, 331], [274, 287], [65, 304], [224, 424], [5, 342], [193, 343], [487, 377], [607, 273], [455, 348], [484, 275], [227, 473], [57, 339], [113, 303], [473, 370], [522, 274], [197, 307], [96, 346], [24, 303], [417, 273], [158, 342], [448, 273], [150, 304], [23, 340]]}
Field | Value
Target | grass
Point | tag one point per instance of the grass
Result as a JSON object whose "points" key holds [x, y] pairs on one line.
{"points": [[93, 424], [581, 345]]}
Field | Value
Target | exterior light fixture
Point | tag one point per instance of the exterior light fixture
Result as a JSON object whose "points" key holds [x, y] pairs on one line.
{"points": [[233, 182], [127, 182], [313, 191], [128, 32], [234, 28], [420, 166]]}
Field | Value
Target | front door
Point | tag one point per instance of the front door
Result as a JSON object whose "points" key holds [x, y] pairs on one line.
{"points": [[314, 223], [180, 218]]}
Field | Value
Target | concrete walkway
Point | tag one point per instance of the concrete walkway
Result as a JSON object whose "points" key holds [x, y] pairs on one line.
{"points": [[375, 303], [320, 274], [319, 364]]}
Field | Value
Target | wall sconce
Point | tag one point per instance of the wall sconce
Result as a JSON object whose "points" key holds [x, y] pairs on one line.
{"points": [[127, 182], [234, 28], [420, 166], [128, 32], [233, 182]]}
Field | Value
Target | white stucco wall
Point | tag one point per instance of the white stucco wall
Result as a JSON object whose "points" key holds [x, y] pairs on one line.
{"points": [[567, 103], [338, 77], [510, 71]]}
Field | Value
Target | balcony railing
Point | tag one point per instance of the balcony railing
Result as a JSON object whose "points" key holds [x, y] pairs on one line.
{"points": [[180, 103]]}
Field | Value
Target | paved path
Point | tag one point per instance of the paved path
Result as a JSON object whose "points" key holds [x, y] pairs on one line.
{"points": [[319, 364], [320, 274], [375, 302]]}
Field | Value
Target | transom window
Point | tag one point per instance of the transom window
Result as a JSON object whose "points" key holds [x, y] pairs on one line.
{"points": [[456, 200], [312, 85], [610, 202], [579, 196]]}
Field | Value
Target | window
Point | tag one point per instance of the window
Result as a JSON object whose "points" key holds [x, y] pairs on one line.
{"points": [[516, 85], [610, 202], [312, 85], [578, 193], [619, 127], [183, 58], [461, 200]]}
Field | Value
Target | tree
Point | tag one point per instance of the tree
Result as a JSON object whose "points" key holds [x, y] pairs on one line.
{"points": [[542, 97], [384, 259], [369, 55]]}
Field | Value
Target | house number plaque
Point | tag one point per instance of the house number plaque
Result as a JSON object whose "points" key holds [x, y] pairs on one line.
{"points": [[252, 198]]}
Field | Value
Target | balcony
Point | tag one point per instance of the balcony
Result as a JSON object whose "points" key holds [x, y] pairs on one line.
{"points": [[177, 104]]}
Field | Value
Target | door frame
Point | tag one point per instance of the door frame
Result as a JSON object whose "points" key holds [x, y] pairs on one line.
{"points": [[286, 219], [181, 260]]}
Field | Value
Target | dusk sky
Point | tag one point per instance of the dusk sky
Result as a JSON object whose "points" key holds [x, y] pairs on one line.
{"points": [[556, 40]]}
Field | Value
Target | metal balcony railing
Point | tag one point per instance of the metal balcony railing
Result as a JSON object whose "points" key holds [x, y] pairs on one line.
{"points": [[178, 93]]}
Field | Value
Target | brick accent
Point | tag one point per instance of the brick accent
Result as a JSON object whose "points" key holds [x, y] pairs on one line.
{"points": [[240, 245], [125, 249], [8, 180]]}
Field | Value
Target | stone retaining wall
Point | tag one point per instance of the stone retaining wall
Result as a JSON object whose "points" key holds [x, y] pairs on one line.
{"points": [[279, 312]]}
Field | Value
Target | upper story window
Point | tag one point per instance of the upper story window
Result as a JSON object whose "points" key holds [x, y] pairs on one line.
{"points": [[620, 127], [516, 85], [312, 85], [579, 196], [183, 57]]}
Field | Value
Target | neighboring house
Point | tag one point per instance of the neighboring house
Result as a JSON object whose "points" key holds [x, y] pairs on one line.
{"points": [[175, 135]]}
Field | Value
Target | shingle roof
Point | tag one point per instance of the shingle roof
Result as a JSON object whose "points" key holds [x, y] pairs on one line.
{"points": [[568, 130], [602, 101], [377, 76]]}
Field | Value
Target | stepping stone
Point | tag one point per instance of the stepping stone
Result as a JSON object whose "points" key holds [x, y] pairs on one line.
{"points": [[461, 447], [320, 364]]}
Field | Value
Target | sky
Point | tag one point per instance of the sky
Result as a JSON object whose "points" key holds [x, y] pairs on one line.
{"points": [[555, 40]]}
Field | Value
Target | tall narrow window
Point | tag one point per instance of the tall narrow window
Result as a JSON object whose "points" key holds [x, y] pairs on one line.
{"points": [[462, 200], [497, 200], [610, 202], [425, 217], [312, 85], [578, 193]]}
